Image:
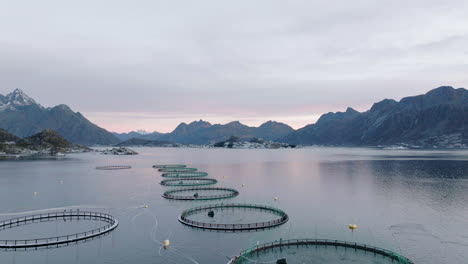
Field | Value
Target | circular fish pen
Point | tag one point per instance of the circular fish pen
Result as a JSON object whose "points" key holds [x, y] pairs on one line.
{"points": [[323, 250], [169, 166], [177, 169], [115, 167], [112, 223], [193, 174], [188, 182], [223, 217], [200, 193]]}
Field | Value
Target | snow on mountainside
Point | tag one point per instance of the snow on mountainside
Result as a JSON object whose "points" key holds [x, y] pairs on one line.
{"points": [[16, 99], [142, 132], [23, 117]]}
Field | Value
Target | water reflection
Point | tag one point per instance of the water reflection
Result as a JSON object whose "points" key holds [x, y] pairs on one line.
{"points": [[412, 202]]}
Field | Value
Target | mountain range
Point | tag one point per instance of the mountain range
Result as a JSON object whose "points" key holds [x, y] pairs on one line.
{"points": [[202, 132], [23, 117], [136, 134], [435, 119]]}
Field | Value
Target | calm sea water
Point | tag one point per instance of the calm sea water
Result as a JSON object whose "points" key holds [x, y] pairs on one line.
{"points": [[412, 202]]}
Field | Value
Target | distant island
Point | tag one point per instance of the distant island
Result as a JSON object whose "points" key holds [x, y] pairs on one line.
{"points": [[119, 151], [47, 142], [254, 143], [437, 119]]}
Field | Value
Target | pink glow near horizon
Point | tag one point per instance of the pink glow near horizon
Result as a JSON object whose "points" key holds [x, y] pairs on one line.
{"points": [[119, 124], [132, 121], [296, 117]]}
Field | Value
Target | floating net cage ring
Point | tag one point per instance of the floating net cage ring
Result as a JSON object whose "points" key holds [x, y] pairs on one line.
{"points": [[172, 194], [246, 255], [193, 174], [114, 167], [169, 166], [189, 182], [111, 221], [177, 169], [283, 217]]}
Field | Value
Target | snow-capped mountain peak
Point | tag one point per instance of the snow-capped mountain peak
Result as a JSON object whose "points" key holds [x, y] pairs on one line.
{"points": [[17, 98], [142, 132]]}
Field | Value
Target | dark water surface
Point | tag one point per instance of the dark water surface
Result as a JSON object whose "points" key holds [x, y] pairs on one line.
{"points": [[411, 202]]}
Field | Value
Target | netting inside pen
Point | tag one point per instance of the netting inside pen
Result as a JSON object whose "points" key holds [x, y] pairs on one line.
{"points": [[233, 217], [188, 182], [201, 193], [114, 167], [169, 166], [193, 174], [319, 250], [110, 223], [177, 169]]}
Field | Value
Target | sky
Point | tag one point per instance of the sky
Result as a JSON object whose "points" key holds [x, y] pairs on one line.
{"points": [[149, 64]]}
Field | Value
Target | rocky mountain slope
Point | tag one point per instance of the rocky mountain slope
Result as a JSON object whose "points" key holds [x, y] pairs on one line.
{"points": [[202, 132], [137, 134], [45, 142], [435, 119], [5, 136], [23, 117], [45, 139]]}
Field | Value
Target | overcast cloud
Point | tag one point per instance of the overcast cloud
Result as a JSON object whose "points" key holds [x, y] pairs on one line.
{"points": [[130, 65]]}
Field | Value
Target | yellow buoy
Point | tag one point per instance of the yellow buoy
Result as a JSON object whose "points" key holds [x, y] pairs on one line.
{"points": [[166, 243], [145, 206], [352, 227], [276, 198]]}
